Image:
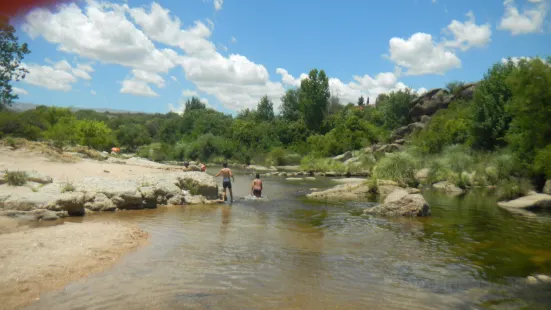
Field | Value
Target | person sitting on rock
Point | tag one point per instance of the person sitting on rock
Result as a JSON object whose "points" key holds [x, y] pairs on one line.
{"points": [[203, 167], [256, 188]]}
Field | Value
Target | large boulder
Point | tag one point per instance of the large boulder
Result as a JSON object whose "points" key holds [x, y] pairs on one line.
{"points": [[547, 187], [401, 203], [448, 187], [403, 131], [530, 202], [343, 157], [429, 103]]}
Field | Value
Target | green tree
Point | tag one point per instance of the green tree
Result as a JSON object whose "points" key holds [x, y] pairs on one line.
{"points": [[395, 107], [491, 121], [530, 107], [133, 136], [95, 134], [11, 55], [314, 98], [290, 108], [64, 132], [265, 109], [361, 101], [194, 104]]}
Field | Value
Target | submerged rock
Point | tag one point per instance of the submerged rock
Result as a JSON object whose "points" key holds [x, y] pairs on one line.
{"points": [[401, 203]]}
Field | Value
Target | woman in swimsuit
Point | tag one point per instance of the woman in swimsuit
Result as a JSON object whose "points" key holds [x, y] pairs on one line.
{"points": [[256, 188]]}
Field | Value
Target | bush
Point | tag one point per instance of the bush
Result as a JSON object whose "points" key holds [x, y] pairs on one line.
{"points": [[513, 189], [16, 178], [68, 187], [542, 162], [316, 164], [400, 167]]}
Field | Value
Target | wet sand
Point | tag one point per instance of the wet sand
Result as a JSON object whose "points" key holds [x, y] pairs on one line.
{"points": [[48, 258]]}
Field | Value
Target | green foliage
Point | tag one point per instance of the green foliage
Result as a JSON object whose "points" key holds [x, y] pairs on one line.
{"points": [[208, 146], [455, 87], [317, 164], [64, 131], [11, 56], [265, 110], [95, 134], [399, 167], [447, 127], [194, 104], [314, 98], [490, 119], [513, 189], [395, 107], [530, 108], [132, 136], [290, 107], [542, 162], [15, 178], [68, 187]]}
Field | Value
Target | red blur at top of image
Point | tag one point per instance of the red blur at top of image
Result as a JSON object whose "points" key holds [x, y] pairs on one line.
{"points": [[14, 8]]}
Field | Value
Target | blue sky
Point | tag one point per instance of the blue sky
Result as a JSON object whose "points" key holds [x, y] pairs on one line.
{"points": [[133, 55]]}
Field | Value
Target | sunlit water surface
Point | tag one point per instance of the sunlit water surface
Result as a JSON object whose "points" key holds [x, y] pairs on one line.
{"points": [[287, 253]]}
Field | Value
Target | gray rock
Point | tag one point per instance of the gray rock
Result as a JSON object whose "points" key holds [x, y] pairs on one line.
{"points": [[36, 177], [176, 200], [343, 157], [531, 202], [547, 187], [401, 203], [422, 174], [100, 202], [448, 187]]}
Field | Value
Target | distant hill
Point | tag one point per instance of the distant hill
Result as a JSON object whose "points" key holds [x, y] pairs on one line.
{"points": [[24, 106]]}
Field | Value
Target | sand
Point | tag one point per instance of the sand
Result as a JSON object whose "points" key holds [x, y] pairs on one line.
{"points": [[42, 259]]}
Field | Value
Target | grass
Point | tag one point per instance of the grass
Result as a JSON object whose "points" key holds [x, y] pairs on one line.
{"points": [[400, 167], [191, 185], [91, 153], [68, 187], [16, 178], [513, 189], [40, 147]]}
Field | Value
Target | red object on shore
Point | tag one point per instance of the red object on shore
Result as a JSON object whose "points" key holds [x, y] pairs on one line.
{"points": [[13, 8], [116, 149]]}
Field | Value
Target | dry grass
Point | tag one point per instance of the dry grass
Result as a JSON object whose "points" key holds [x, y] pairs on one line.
{"points": [[40, 147]]}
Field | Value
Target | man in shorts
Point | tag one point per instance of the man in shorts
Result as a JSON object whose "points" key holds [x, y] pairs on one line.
{"points": [[226, 183]]}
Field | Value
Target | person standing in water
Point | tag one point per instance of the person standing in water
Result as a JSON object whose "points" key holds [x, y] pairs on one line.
{"points": [[226, 183], [256, 188]]}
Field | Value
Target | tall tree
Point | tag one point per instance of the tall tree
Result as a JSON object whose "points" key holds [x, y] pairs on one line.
{"points": [[194, 104], [361, 101], [11, 54], [314, 98], [265, 109], [290, 108]]}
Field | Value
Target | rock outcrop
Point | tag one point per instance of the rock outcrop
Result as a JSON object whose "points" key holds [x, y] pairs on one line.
{"points": [[401, 202], [438, 98], [108, 194], [530, 202], [355, 191]]}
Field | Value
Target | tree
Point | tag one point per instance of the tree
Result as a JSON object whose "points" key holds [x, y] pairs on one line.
{"points": [[194, 104], [133, 135], [314, 98], [11, 54], [361, 101], [290, 108], [395, 107], [491, 121], [265, 109]]}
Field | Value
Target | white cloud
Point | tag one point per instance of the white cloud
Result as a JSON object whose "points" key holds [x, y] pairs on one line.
{"points": [[422, 90], [189, 93], [49, 77], [19, 91], [93, 92], [468, 34], [138, 88], [218, 4], [101, 32], [174, 78], [149, 77], [81, 71], [530, 20], [288, 79], [420, 55], [233, 40]]}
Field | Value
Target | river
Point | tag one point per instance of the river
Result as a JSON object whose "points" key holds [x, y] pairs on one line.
{"points": [[288, 253]]}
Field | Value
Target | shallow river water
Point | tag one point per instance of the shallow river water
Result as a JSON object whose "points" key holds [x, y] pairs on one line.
{"points": [[288, 253]]}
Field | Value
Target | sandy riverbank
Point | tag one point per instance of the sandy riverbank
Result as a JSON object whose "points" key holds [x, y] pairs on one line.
{"points": [[48, 258]]}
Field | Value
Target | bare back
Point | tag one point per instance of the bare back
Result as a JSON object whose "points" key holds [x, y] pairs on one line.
{"points": [[226, 173], [257, 184]]}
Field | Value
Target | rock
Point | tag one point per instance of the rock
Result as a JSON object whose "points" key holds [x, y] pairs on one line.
{"points": [[344, 192], [401, 203], [547, 187], [467, 91], [543, 278], [422, 174], [100, 203], [430, 102], [531, 280], [47, 215], [104, 154], [349, 180], [72, 202], [260, 169], [400, 141], [343, 157], [389, 148], [425, 119], [310, 178], [448, 187], [531, 202], [351, 160], [294, 179], [330, 174], [288, 168], [114, 160], [176, 200]]}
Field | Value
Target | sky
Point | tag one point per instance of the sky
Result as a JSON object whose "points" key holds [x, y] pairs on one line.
{"points": [[148, 56]]}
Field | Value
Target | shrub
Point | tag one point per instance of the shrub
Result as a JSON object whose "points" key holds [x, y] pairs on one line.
{"points": [[16, 178], [400, 167], [68, 187], [541, 163], [513, 189]]}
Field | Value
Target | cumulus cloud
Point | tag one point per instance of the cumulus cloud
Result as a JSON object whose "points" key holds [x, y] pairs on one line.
{"points": [[468, 34], [218, 4], [53, 78], [93, 92], [529, 20], [138, 84], [419, 54], [100, 32], [19, 91]]}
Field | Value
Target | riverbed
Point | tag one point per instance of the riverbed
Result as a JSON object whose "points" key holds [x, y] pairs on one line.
{"points": [[285, 252]]}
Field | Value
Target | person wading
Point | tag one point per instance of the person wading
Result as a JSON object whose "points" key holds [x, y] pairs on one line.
{"points": [[256, 188], [226, 183]]}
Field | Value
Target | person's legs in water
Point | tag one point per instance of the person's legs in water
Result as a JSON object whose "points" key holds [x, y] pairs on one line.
{"points": [[227, 185]]}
